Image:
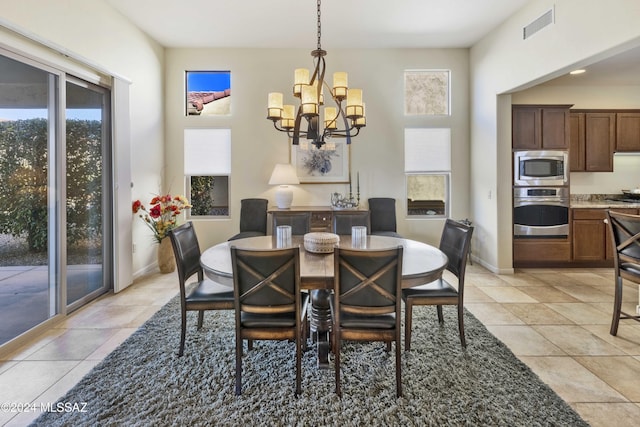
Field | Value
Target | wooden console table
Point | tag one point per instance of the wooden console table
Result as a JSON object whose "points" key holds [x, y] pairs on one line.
{"points": [[321, 216]]}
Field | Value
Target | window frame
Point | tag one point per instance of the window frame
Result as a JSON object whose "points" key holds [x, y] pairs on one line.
{"points": [[447, 194]]}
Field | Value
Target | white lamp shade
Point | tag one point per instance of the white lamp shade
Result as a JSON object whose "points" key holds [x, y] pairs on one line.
{"points": [[283, 175]]}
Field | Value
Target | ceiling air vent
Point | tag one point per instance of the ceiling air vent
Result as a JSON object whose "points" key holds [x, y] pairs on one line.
{"points": [[538, 24]]}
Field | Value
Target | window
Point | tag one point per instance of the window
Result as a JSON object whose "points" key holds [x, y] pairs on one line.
{"points": [[55, 193], [208, 93], [427, 167], [207, 166], [426, 92]]}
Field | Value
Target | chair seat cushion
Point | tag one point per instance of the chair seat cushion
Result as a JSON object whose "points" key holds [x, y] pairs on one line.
{"points": [[276, 320], [383, 321], [208, 291], [633, 269], [437, 288]]}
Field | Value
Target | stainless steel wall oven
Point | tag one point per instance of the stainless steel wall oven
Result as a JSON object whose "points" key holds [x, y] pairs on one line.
{"points": [[541, 212]]}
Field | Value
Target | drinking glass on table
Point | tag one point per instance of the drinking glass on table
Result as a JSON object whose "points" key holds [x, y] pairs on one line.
{"points": [[283, 236], [359, 236]]}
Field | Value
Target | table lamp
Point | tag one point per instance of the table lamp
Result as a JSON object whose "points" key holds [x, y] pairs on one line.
{"points": [[284, 175]]}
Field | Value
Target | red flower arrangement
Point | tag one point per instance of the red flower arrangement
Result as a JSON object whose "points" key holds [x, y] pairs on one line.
{"points": [[162, 216]]}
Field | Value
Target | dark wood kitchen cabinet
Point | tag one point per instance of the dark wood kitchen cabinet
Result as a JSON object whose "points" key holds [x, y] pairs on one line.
{"points": [[628, 131], [592, 141], [540, 127], [541, 252], [590, 235], [576, 143]]}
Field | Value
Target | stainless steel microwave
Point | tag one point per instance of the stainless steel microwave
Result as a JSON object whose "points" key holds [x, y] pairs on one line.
{"points": [[541, 167]]}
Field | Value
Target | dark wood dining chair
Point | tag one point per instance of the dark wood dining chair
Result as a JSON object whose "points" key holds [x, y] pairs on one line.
{"points": [[454, 242], [268, 302], [383, 216], [366, 305], [206, 295], [624, 230], [253, 218], [341, 222], [300, 222]]}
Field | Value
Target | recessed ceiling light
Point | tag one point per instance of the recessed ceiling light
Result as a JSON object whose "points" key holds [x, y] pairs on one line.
{"points": [[574, 72]]}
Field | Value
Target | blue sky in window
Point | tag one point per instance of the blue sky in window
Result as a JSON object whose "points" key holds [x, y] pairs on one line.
{"points": [[41, 113], [207, 81]]}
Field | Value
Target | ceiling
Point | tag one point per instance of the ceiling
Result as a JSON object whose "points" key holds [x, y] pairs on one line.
{"points": [[346, 24], [292, 23], [622, 69]]}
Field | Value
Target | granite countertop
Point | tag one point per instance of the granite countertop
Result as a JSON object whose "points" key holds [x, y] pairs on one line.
{"points": [[600, 201]]}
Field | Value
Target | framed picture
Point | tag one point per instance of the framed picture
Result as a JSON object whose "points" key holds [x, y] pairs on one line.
{"points": [[208, 93], [426, 92], [316, 166]]}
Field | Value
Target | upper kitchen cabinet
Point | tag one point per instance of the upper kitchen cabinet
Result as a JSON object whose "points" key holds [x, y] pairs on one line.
{"points": [[628, 131], [577, 143], [540, 127], [592, 142]]}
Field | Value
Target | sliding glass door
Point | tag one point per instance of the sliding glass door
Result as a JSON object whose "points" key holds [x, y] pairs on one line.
{"points": [[28, 285], [54, 187], [87, 136]]}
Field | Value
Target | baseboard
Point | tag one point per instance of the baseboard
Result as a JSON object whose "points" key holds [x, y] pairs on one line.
{"points": [[492, 268]]}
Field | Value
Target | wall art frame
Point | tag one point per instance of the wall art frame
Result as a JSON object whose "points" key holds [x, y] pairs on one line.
{"points": [[322, 166], [208, 93], [426, 92]]}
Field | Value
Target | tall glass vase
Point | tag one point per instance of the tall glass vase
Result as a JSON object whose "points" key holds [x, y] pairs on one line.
{"points": [[166, 260]]}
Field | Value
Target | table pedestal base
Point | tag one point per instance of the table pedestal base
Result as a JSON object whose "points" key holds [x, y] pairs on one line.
{"points": [[321, 324]]}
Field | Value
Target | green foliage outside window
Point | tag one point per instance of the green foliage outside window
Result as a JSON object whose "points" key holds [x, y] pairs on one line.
{"points": [[24, 180], [201, 198]]}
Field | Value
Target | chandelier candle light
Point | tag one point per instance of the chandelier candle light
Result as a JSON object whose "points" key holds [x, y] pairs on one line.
{"points": [[310, 92]]}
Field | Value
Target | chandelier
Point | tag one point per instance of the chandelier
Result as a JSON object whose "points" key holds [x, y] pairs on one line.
{"points": [[338, 121]]}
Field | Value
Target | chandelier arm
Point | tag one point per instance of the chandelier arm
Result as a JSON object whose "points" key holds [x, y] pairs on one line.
{"points": [[347, 127], [275, 125], [322, 69], [296, 127]]}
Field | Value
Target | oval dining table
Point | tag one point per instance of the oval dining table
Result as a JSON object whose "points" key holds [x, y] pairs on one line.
{"points": [[421, 263]]}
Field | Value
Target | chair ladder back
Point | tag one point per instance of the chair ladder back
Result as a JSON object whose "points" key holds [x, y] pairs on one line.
{"points": [[625, 233], [253, 215], [341, 222], [267, 281], [455, 243], [187, 251], [367, 280], [383, 214], [300, 222]]}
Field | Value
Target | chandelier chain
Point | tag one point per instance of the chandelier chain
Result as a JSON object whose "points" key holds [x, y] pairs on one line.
{"points": [[343, 121], [319, 29]]}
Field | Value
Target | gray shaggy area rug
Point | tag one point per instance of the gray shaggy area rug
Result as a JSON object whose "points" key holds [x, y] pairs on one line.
{"points": [[144, 383]]}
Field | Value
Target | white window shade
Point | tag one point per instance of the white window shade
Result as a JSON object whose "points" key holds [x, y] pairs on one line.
{"points": [[207, 152], [427, 149]]}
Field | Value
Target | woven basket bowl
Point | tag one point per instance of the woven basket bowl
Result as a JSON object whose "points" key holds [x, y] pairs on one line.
{"points": [[320, 243]]}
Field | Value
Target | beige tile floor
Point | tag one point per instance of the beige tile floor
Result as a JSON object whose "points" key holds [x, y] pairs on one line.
{"points": [[556, 321]]}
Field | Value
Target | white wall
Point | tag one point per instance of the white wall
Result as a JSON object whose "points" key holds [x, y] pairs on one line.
{"points": [[96, 32], [502, 63], [377, 153]]}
